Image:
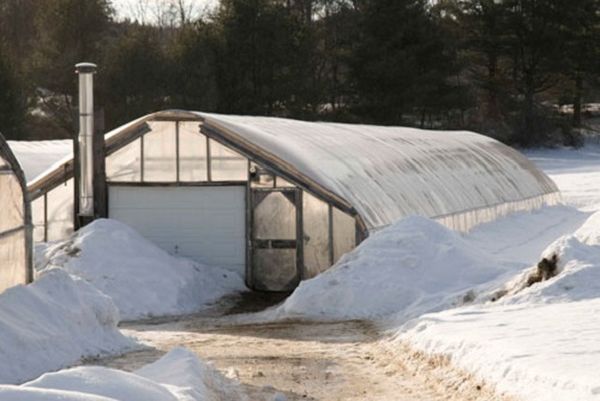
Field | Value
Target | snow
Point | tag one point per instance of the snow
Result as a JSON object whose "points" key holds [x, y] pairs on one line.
{"points": [[576, 172], [141, 279], [52, 323], [468, 297], [36, 157], [538, 342], [177, 376], [414, 266], [521, 237]]}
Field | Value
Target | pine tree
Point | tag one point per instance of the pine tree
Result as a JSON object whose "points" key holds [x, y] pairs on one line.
{"points": [[12, 102], [403, 67]]}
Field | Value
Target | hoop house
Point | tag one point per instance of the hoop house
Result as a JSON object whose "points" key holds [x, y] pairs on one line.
{"points": [[281, 200], [15, 222]]}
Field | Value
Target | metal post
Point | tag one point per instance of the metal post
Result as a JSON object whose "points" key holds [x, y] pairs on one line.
{"points": [[85, 139]]}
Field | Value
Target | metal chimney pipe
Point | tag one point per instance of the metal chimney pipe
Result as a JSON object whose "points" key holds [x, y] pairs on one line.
{"points": [[86, 73]]}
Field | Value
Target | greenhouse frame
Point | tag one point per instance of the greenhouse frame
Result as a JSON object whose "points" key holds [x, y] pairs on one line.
{"points": [[280, 200], [15, 222]]}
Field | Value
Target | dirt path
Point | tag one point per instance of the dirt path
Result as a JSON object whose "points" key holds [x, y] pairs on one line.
{"points": [[302, 360]]}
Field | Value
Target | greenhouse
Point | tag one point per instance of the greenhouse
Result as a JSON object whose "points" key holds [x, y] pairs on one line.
{"points": [[281, 200], [15, 222]]}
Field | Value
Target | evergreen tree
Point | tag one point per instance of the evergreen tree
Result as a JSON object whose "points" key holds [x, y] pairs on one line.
{"points": [[403, 67], [581, 32], [261, 57], [483, 32], [135, 76], [12, 103], [193, 81], [535, 47], [68, 32]]}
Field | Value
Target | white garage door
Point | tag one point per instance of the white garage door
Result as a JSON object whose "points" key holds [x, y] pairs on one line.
{"points": [[207, 224]]}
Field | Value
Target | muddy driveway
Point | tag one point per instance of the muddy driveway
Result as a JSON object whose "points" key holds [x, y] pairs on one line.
{"points": [[301, 360]]}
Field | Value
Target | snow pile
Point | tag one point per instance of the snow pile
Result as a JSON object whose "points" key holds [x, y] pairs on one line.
{"points": [[578, 270], [142, 279], [536, 343], [52, 323], [178, 376], [411, 267]]}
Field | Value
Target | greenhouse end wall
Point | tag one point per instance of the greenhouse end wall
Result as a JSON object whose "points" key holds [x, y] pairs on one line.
{"points": [[15, 223], [176, 153]]}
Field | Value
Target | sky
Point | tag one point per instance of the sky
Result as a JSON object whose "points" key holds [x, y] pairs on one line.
{"points": [[133, 9]]}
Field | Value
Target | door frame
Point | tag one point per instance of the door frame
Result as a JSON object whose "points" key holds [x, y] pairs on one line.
{"points": [[296, 200]]}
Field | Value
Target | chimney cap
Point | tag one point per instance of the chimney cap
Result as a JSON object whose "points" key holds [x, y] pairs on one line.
{"points": [[82, 68]]}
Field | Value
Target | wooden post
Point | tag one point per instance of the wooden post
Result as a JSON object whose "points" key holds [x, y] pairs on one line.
{"points": [[100, 187]]}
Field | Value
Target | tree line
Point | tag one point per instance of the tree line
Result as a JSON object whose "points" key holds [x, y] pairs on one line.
{"points": [[500, 67]]}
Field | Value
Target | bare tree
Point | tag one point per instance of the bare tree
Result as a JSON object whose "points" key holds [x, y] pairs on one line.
{"points": [[166, 13]]}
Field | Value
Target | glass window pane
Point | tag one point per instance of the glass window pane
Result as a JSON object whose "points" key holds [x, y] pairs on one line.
{"points": [[125, 163], [316, 235], [226, 164], [344, 233], [37, 218], [11, 202], [160, 164], [274, 217], [60, 211], [192, 152], [13, 260]]}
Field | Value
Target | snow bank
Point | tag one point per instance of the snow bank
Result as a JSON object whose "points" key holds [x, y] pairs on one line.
{"points": [[409, 268], [142, 279], [178, 376], [53, 323], [193, 378], [536, 343], [578, 270]]}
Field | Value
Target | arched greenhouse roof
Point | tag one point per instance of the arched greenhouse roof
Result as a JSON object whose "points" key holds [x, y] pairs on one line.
{"points": [[378, 173]]}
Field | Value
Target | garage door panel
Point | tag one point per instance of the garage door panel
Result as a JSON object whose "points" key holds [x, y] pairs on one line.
{"points": [[207, 224]]}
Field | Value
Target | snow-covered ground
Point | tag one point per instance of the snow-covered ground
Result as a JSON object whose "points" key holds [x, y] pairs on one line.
{"points": [[412, 267], [542, 342], [177, 376], [52, 323], [84, 286], [576, 172], [141, 279], [536, 343]]}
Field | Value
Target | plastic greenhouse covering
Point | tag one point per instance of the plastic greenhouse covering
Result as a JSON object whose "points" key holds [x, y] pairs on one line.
{"points": [[386, 173], [379, 174], [15, 241]]}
